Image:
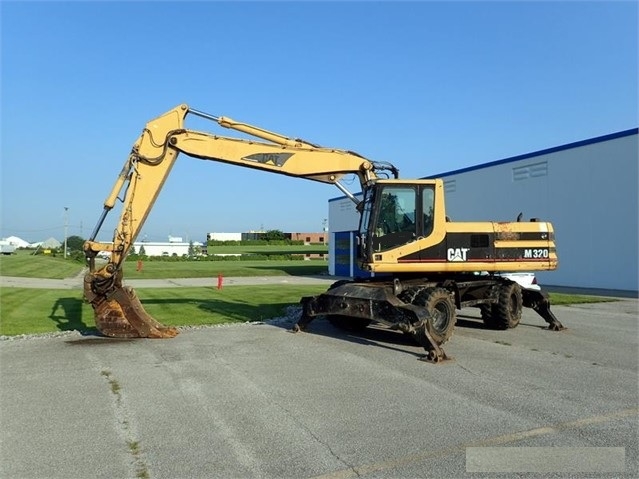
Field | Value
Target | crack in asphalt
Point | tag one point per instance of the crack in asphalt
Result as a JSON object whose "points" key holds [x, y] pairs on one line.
{"points": [[125, 428]]}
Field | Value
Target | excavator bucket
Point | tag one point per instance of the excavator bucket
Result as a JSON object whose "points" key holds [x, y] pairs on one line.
{"points": [[120, 314]]}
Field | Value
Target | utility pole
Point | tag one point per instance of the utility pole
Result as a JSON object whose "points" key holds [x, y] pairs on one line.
{"points": [[324, 229], [66, 228]]}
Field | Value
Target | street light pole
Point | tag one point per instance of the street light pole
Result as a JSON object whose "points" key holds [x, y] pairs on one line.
{"points": [[324, 229], [325, 232], [66, 228]]}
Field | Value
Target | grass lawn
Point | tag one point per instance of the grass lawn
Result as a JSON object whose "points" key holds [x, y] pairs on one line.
{"points": [[561, 299], [206, 269], [33, 311], [38, 266], [25, 264]]}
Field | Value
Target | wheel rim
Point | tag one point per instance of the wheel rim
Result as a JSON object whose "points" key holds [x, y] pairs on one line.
{"points": [[440, 317], [513, 303]]}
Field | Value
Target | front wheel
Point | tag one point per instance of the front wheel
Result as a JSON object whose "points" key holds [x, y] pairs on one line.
{"points": [[442, 311]]}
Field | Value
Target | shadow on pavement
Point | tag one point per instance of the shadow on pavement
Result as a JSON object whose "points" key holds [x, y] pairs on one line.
{"points": [[380, 336], [67, 314], [373, 335]]}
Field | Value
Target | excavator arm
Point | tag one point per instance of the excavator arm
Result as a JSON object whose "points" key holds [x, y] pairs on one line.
{"points": [[118, 311]]}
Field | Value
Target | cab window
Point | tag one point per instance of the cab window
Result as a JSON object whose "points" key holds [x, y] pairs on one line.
{"points": [[397, 210], [396, 222]]}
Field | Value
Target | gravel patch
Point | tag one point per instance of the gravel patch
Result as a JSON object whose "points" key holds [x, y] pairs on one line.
{"points": [[56, 334]]}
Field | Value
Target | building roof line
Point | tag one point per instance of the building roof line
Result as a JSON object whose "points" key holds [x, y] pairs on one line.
{"points": [[546, 151]]}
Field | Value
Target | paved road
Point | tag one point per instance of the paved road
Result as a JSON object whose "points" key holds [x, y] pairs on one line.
{"points": [[255, 400]]}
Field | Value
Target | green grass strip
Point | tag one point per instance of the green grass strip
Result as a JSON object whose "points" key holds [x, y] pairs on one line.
{"points": [[559, 299], [27, 265], [210, 269], [34, 311]]}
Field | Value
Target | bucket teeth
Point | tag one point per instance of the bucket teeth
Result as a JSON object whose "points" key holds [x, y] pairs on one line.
{"points": [[121, 315]]}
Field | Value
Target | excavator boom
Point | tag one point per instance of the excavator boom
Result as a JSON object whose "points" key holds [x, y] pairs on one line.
{"points": [[118, 311]]}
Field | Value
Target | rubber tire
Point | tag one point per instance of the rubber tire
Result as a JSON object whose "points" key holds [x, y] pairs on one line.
{"points": [[506, 314], [440, 306], [486, 311], [348, 323]]}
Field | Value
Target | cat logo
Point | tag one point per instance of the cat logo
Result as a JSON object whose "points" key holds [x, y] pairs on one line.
{"points": [[457, 254]]}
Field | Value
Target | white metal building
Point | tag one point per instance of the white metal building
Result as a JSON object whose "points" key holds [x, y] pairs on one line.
{"points": [[17, 242], [159, 248], [587, 189], [224, 236]]}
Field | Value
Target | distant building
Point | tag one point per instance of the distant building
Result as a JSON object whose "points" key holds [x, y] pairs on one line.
{"points": [[308, 238], [50, 243], [224, 237], [169, 248], [17, 242]]}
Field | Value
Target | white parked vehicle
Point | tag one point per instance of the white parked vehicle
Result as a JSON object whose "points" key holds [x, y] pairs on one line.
{"points": [[525, 280], [7, 249]]}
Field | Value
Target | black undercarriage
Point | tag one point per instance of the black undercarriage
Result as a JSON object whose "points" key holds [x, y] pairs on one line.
{"points": [[425, 307]]}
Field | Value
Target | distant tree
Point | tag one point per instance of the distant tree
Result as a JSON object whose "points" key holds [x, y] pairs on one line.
{"points": [[75, 243], [274, 235], [191, 249], [142, 251]]}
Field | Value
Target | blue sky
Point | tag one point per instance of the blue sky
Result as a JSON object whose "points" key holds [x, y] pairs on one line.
{"points": [[428, 86]]}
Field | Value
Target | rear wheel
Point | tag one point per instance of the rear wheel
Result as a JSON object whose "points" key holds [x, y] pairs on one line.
{"points": [[486, 313], [440, 306], [506, 314]]}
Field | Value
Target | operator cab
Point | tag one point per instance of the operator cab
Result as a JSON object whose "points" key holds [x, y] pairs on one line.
{"points": [[394, 214]]}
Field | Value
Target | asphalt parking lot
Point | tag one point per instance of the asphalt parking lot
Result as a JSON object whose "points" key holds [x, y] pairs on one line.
{"points": [[256, 400]]}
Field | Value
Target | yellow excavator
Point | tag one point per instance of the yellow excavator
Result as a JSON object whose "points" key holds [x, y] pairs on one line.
{"points": [[423, 267]]}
